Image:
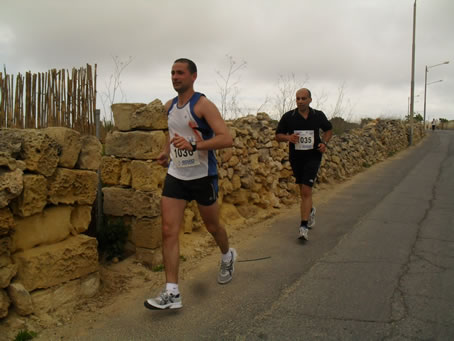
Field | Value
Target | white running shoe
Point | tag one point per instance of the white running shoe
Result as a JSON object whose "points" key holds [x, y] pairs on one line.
{"points": [[304, 233], [165, 300], [225, 274], [311, 221]]}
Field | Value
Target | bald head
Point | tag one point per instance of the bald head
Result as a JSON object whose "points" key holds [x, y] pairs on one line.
{"points": [[304, 92], [303, 99]]}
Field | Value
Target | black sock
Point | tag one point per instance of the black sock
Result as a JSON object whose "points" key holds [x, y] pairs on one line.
{"points": [[304, 223]]}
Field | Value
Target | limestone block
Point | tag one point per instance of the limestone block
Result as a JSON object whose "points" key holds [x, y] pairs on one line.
{"points": [[230, 172], [233, 161], [187, 220], [5, 247], [226, 154], [49, 265], [80, 219], [70, 143], [236, 182], [122, 113], [69, 186], [110, 170], [50, 226], [48, 300], [138, 145], [5, 260], [39, 151], [229, 215], [254, 162], [146, 176], [146, 232], [247, 181], [125, 175], [240, 197], [6, 274], [248, 211], [11, 185], [90, 153], [225, 186], [21, 299], [10, 145], [6, 221], [6, 161], [51, 299], [4, 303], [33, 198], [145, 117], [126, 201], [89, 285]]}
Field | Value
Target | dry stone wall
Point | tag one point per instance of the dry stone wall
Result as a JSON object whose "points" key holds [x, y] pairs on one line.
{"points": [[255, 176], [48, 184], [132, 179]]}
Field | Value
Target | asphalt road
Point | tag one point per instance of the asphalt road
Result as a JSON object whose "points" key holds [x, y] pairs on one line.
{"points": [[379, 265]]}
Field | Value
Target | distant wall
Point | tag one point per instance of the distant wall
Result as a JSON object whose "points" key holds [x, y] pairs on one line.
{"points": [[255, 176]]}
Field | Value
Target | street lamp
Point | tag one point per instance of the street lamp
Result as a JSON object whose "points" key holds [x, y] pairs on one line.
{"points": [[425, 86]]}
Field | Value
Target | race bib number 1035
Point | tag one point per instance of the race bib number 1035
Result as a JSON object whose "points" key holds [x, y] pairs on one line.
{"points": [[306, 139]]}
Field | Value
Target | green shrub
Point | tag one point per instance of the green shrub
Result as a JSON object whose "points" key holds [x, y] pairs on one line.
{"points": [[25, 335], [158, 268]]}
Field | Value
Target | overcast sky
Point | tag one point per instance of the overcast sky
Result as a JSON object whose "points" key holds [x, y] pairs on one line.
{"points": [[360, 46]]}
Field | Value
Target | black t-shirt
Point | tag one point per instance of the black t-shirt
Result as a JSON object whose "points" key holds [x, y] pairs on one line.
{"points": [[308, 129]]}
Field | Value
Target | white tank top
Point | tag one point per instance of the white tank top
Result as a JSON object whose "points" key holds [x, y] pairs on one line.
{"points": [[189, 165]]}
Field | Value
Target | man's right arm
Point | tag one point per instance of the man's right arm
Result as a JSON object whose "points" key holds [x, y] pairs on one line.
{"points": [[282, 136], [164, 157]]}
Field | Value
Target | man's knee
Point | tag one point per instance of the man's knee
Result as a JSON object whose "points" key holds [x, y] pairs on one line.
{"points": [[169, 232], [306, 192]]}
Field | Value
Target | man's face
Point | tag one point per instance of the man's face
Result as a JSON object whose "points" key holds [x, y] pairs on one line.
{"points": [[302, 99], [182, 79]]}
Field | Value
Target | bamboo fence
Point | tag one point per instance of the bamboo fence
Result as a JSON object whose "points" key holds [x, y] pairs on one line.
{"points": [[56, 98]]}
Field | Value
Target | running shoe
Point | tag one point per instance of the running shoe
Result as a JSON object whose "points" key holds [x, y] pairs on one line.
{"points": [[227, 269], [304, 231], [165, 300], [311, 221]]}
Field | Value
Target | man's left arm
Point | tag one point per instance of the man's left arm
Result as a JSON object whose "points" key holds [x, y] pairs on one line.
{"points": [[222, 137], [327, 128]]}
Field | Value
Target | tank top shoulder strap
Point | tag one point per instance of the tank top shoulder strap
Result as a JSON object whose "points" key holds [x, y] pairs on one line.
{"points": [[174, 102], [194, 99]]}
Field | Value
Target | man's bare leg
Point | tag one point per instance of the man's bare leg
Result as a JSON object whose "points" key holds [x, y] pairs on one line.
{"points": [[306, 202], [210, 216], [172, 217]]}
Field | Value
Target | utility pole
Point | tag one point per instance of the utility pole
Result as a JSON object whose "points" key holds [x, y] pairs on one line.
{"points": [[412, 86]]}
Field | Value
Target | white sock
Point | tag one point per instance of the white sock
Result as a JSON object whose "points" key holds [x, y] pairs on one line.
{"points": [[172, 288], [227, 257]]}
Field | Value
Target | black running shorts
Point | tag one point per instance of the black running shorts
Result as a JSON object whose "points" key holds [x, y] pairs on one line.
{"points": [[305, 171], [203, 190]]}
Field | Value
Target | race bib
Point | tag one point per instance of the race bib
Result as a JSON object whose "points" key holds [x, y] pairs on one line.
{"points": [[306, 139], [185, 158]]}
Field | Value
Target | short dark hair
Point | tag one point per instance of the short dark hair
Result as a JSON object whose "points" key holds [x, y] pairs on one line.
{"points": [[191, 65]]}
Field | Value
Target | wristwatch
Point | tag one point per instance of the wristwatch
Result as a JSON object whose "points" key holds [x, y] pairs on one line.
{"points": [[325, 143], [194, 146]]}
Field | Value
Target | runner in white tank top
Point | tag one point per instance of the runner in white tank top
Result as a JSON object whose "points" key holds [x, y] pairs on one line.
{"points": [[196, 129], [190, 165]]}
